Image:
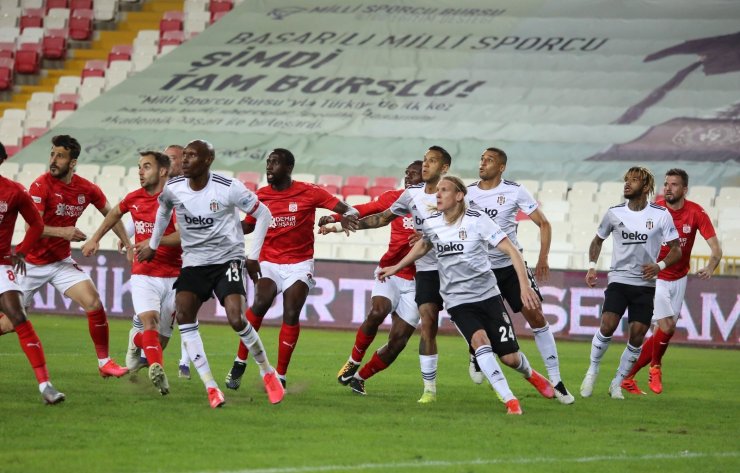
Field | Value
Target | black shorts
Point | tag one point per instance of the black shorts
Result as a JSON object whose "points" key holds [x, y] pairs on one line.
{"points": [[637, 299], [508, 283], [427, 288], [222, 279], [489, 315]]}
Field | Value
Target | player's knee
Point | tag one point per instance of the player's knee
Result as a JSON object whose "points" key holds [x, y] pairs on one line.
{"points": [[479, 339], [291, 317], [511, 360], [535, 318], [10, 320], [376, 316]]}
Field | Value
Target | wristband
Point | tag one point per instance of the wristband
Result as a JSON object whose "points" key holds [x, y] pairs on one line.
{"points": [[592, 265], [662, 265]]}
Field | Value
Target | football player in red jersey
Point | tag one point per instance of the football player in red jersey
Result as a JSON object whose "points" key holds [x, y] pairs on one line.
{"points": [[14, 200], [394, 296], [61, 196], [286, 260], [151, 282], [689, 217]]}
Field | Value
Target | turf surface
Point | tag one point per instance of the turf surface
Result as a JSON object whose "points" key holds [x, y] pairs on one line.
{"points": [[115, 425]]}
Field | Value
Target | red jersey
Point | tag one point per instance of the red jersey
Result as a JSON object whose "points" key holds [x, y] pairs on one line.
{"points": [[401, 230], [167, 259], [14, 200], [62, 204], [291, 234], [688, 220]]}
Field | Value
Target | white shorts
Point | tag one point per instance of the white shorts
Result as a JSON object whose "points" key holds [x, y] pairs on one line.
{"points": [[150, 293], [60, 274], [669, 297], [8, 279], [401, 293], [285, 275]]}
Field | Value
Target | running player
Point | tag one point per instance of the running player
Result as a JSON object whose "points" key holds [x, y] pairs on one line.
{"points": [[461, 237], [393, 296], [638, 228], [502, 200], [670, 288], [15, 200], [151, 282], [212, 241], [60, 197], [287, 255]]}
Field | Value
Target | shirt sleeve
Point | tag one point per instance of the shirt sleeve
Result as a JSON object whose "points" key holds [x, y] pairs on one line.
{"points": [[668, 228], [98, 199], [322, 198], [525, 201], [242, 197], [490, 230], [402, 205], [28, 211], [38, 193], [370, 208], [605, 227], [164, 213], [705, 224]]}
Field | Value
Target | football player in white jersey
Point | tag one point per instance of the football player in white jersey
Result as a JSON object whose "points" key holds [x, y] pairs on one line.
{"points": [[207, 207], [420, 202], [638, 227], [502, 200], [460, 238]]}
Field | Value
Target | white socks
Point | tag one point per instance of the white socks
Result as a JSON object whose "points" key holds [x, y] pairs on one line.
{"points": [[626, 361], [194, 345], [252, 340], [599, 345], [545, 342], [429, 371], [491, 369]]}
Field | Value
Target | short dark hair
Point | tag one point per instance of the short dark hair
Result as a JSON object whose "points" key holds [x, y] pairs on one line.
{"points": [[501, 154], [3, 153], [679, 172], [418, 162], [163, 161], [285, 155], [446, 158], [68, 143]]}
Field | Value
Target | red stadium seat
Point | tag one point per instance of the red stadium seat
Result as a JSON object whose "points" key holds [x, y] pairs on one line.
{"points": [[56, 4], [11, 150], [64, 102], [386, 181], [171, 21], [81, 24], [80, 4], [171, 38], [375, 191], [353, 190], [28, 58], [220, 6], [360, 181], [32, 134], [31, 18], [250, 179], [6, 73], [7, 50], [217, 16], [54, 44], [94, 68], [330, 182], [120, 52]]}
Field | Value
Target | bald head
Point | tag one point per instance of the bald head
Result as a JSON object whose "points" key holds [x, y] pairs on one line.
{"points": [[197, 158]]}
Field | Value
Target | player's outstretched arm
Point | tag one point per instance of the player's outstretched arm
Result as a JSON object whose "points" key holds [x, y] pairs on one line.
{"points": [[594, 250], [112, 217], [542, 270], [421, 248], [118, 228], [716, 256], [376, 220]]}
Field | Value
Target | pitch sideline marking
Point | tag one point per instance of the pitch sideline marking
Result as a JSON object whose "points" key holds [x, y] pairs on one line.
{"points": [[499, 461]]}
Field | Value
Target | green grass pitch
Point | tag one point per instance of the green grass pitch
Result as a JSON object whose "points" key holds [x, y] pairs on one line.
{"points": [[115, 425]]}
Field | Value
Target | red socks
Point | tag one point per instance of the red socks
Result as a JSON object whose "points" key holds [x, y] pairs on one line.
{"points": [[97, 323], [31, 346], [139, 340], [256, 322], [645, 355], [372, 367], [287, 342], [362, 341], [151, 346], [660, 345]]}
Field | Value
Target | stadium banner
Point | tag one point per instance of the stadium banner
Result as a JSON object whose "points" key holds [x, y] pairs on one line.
{"points": [[341, 299], [571, 90]]}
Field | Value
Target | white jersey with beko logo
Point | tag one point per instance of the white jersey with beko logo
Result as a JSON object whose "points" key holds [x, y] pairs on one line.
{"points": [[637, 239], [421, 206], [208, 219], [462, 256], [502, 204]]}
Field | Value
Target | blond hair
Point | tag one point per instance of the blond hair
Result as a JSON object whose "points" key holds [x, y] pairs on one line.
{"points": [[462, 206], [644, 173]]}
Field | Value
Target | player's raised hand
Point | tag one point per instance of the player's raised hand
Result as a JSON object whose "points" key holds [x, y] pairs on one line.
{"points": [[253, 270], [90, 248]]}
